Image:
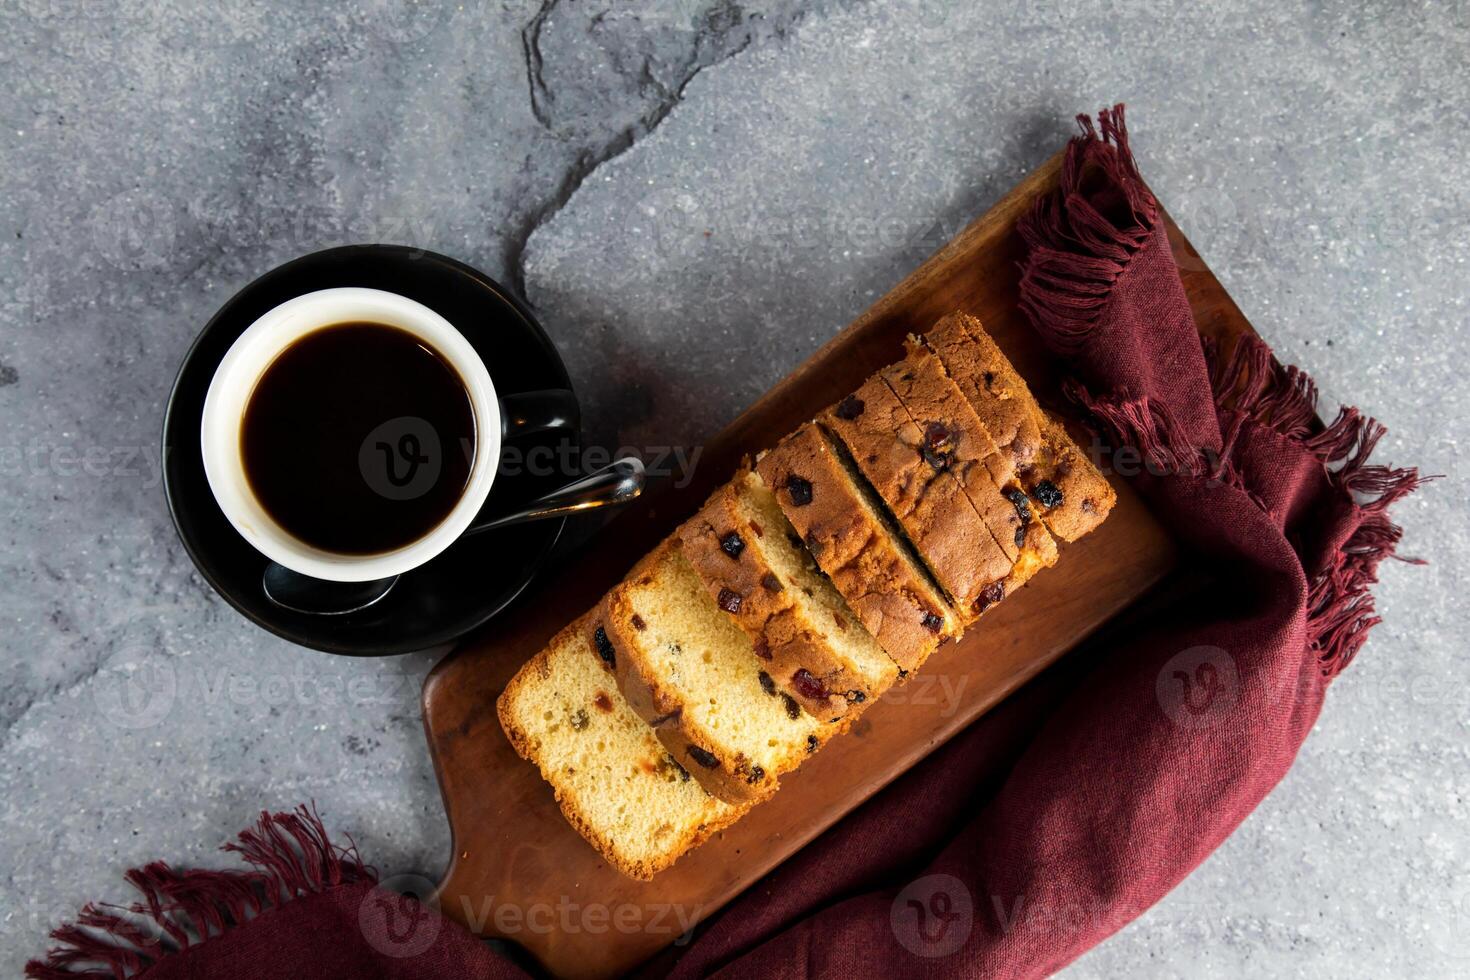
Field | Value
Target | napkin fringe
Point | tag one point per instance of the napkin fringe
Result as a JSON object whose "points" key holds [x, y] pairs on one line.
{"points": [[1077, 245], [1253, 388], [290, 855], [1079, 242]]}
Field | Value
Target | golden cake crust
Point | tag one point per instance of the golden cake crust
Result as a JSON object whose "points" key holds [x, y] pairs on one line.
{"points": [[1061, 472], [890, 595], [1071, 495], [986, 377], [928, 501], [956, 438]]}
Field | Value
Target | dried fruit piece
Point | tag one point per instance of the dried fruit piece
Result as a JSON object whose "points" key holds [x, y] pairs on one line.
{"points": [[1049, 495], [755, 775], [938, 461], [799, 489], [793, 710], [812, 744], [807, 685], [932, 622], [1017, 497], [762, 649], [730, 601], [938, 437], [771, 583], [604, 647], [849, 408], [707, 759], [990, 595], [580, 720], [732, 544], [638, 623], [856, 697], [1021, 536], [603, 702], [938, 447], [767, 685]]}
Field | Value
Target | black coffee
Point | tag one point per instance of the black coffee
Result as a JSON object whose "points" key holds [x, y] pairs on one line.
{"points": [[358, 438]]}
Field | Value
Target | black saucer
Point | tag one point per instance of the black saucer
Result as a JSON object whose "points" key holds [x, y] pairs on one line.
{"points": [[466, 585]]}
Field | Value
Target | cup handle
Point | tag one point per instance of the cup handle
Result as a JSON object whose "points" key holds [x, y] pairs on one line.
{"points": [[529, 412]]}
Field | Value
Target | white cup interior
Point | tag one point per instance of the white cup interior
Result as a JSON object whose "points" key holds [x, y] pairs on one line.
{"points": [[247, 360]]}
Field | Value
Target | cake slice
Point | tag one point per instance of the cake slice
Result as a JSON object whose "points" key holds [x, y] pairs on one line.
{"points": [[755, 568], [854, 541], [689, 671], [613, 779], [1071, 496], [914, 481]]}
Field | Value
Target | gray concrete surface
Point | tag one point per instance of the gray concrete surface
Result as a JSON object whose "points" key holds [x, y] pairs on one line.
{"points": [[694, 195]]}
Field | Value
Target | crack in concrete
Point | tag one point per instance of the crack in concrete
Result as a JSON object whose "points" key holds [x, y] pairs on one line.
{"points": [[704, 50], [531, 49], [712, 29], [47, 696]]}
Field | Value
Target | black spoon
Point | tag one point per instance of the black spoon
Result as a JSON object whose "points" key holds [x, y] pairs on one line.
{"points": [[614, 484]]}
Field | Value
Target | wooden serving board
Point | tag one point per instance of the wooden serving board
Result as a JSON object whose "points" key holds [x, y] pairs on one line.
{"points": [[521, 872]]}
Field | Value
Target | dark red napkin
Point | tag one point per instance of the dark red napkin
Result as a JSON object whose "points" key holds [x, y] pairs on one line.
{"points": [[1058, 818]]}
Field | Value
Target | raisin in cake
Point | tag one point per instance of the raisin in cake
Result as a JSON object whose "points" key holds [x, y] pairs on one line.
{"points": [[856, 543], [1071, 496], [816, 650], [689, 671], [614, 780]]}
